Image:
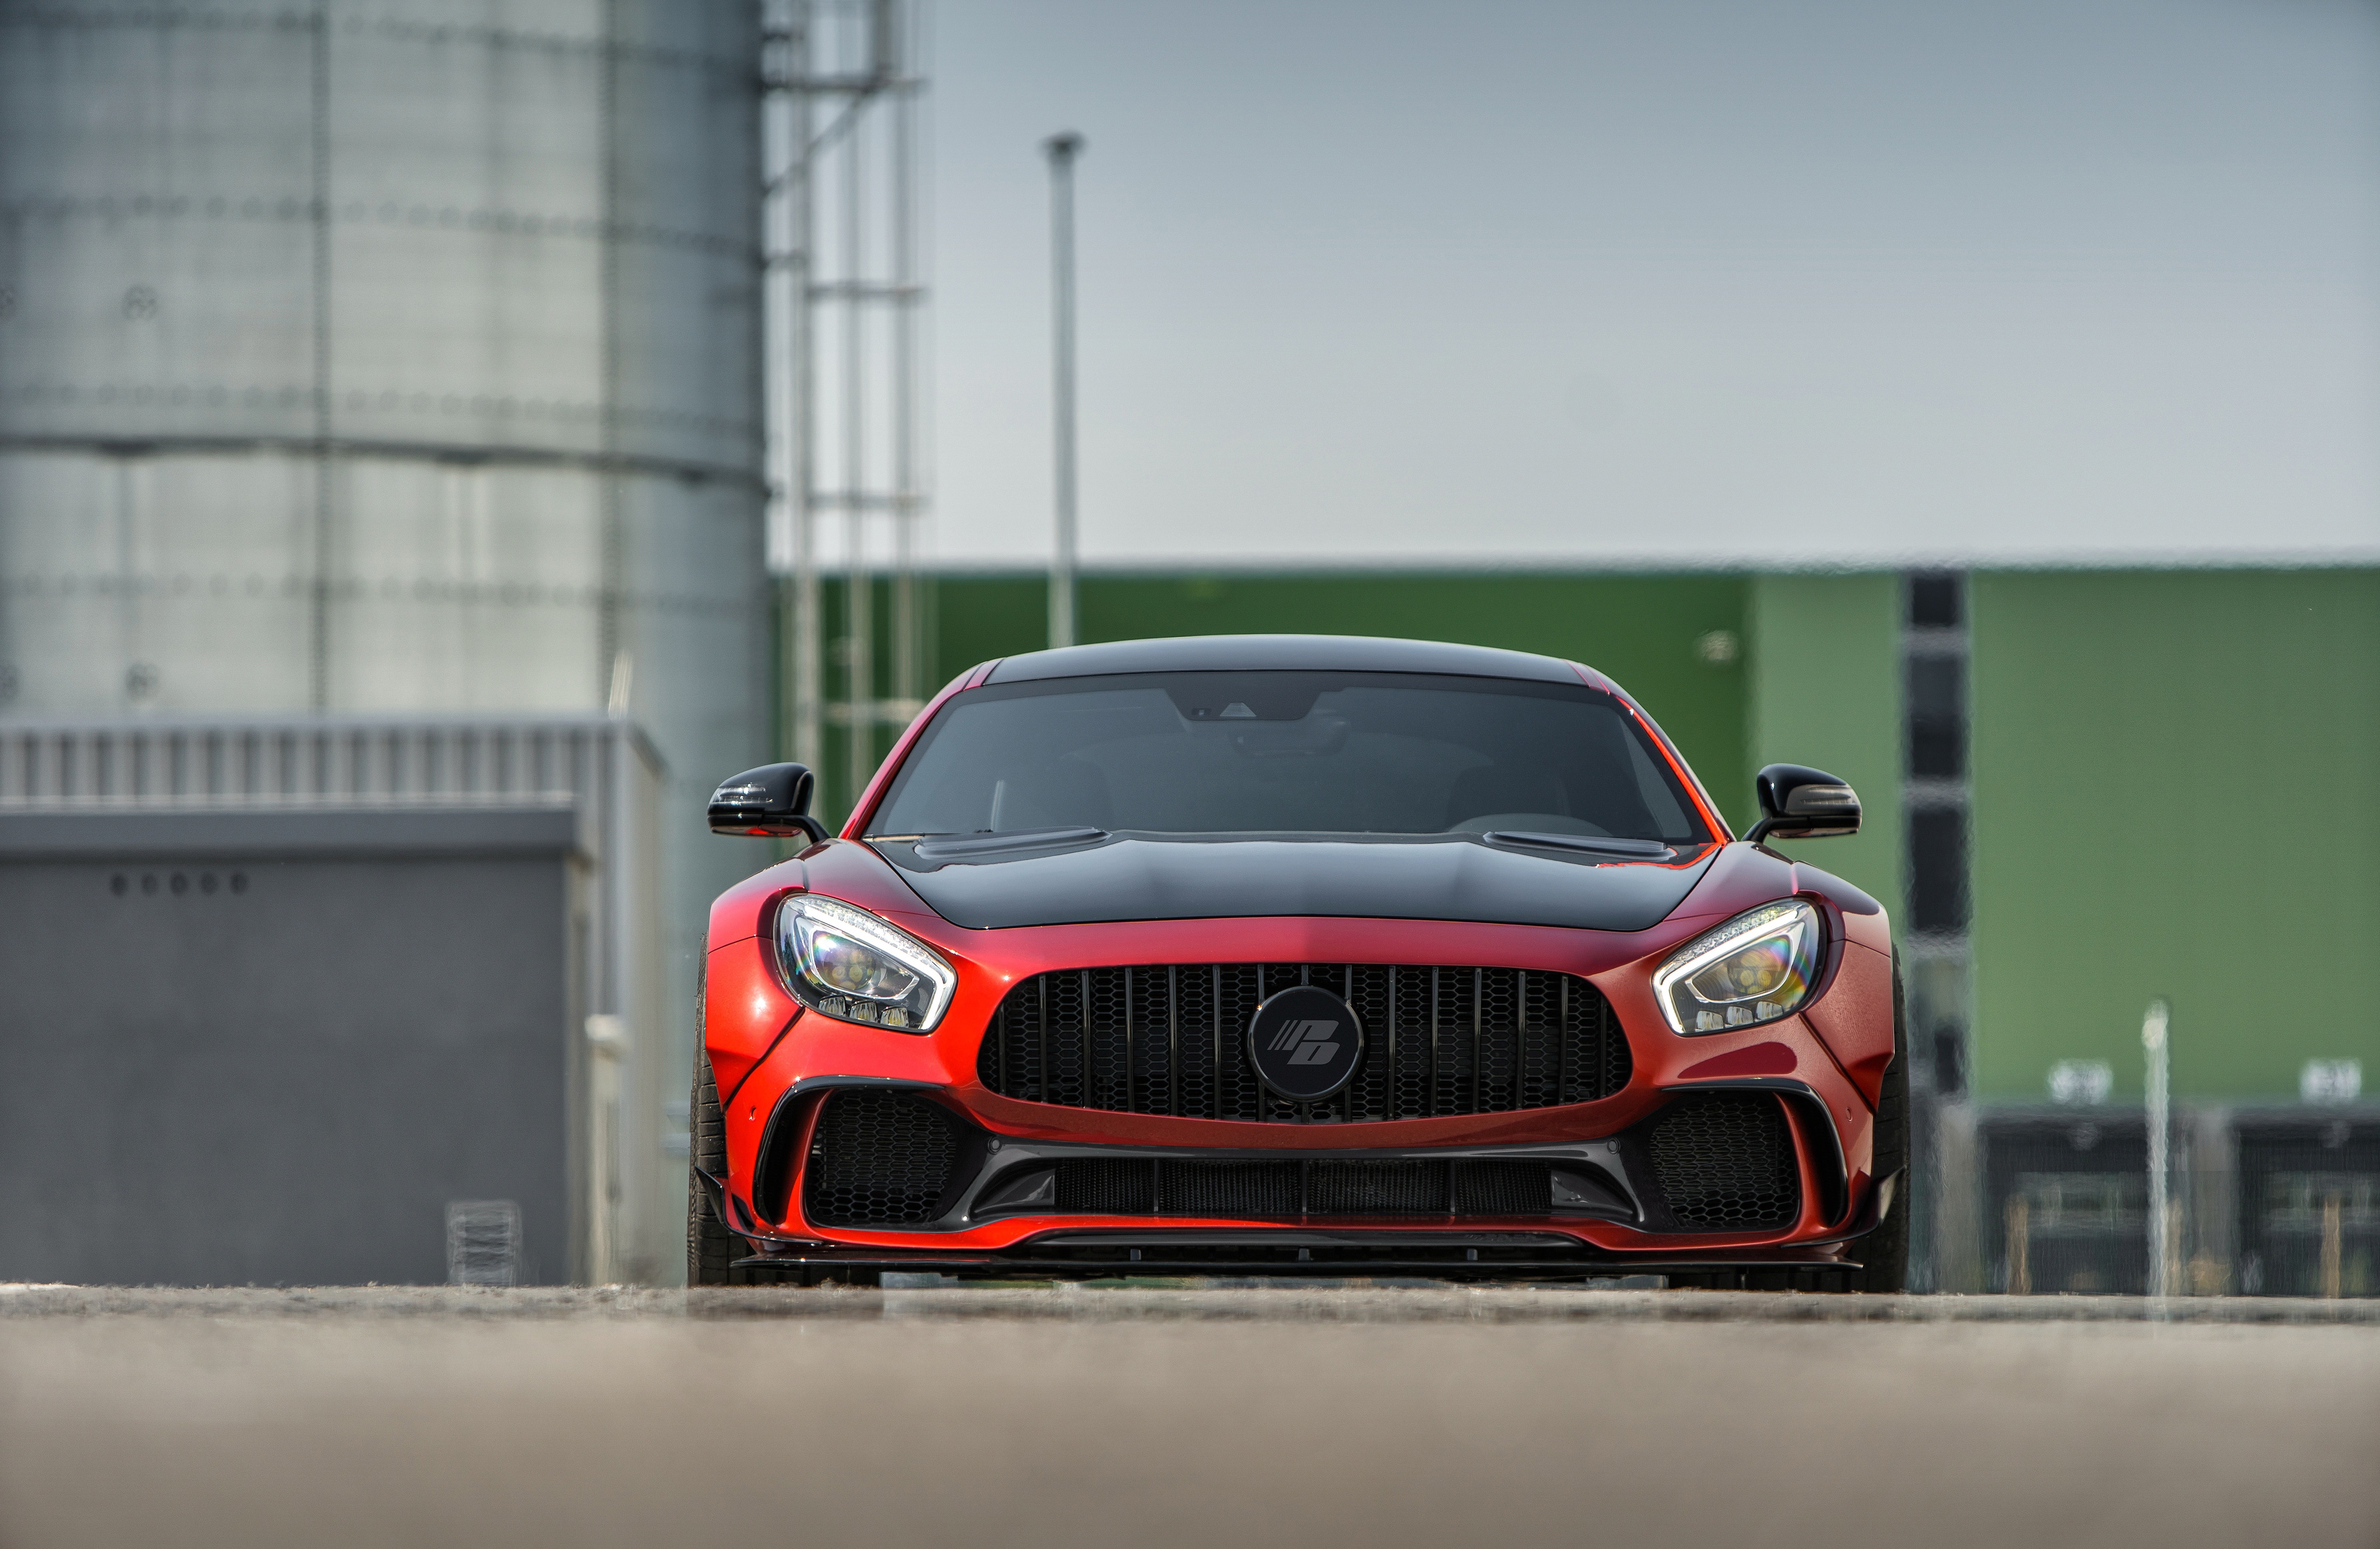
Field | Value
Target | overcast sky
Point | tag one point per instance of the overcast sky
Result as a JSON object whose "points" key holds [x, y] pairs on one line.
{"points": [[1687, 282]]}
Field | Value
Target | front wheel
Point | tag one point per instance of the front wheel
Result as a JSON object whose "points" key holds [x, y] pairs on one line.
{"points": [[710, 1247], [1883, 1254]]}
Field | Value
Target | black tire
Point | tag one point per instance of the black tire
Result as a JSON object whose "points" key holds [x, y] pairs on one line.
{"points": [[710, 1247], [1883, 1254]]}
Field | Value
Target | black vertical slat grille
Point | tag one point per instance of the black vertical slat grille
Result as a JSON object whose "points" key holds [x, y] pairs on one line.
{"points": [[1067, 1041], [1193, 992], [1173, 1039], [1451, 1032], [1152, 1040], [1238, 990], [1409, 1077], [1106, 1014]]}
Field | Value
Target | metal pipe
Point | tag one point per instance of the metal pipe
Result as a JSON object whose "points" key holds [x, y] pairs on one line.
{"points": [[2152, 1039], [1061, 150], [804, 642], [906, 674], [859, 610], [871, 42], [317, 673]]}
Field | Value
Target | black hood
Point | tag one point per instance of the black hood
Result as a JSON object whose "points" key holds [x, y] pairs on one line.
{"points": [[1085, 880]]}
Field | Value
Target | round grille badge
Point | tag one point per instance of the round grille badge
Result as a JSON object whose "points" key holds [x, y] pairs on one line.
{"points": [[1306, 1043]]}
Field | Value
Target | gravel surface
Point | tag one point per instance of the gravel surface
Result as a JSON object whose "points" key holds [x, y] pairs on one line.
{"points": [[1296, 1416]]}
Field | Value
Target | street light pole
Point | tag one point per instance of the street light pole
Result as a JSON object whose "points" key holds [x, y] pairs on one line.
{"points": [[1061, 150], [2153, 1028]]}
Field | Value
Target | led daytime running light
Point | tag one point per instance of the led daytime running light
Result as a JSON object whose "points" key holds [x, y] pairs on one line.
{"points": [[1757, 968], [849, 964]]}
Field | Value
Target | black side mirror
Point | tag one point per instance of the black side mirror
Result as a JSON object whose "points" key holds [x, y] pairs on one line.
{"points": [[772, 801], [1801, 803]]}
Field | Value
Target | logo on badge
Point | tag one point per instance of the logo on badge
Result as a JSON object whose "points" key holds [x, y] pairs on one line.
{"points": [[1306, 1043]]}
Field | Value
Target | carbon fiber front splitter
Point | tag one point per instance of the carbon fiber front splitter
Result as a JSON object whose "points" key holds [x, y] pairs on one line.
{"points": [[1460, 1256]]}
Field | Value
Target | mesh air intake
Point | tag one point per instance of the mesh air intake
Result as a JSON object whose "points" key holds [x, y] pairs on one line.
{"points": [[1724, 1162], [879, 1159]]}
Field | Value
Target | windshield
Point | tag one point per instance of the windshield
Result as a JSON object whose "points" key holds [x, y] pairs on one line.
{"points": [[1309, 753]]}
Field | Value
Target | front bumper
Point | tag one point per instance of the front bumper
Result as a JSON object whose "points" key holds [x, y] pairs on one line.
{"points": [[777, 1068], [1004, 1206]]}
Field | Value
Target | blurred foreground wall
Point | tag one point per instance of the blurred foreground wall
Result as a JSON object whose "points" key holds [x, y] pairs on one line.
{"points": [[390, 359], [328, 999]]}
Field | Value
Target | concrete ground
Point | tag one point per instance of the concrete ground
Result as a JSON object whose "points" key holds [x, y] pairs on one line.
{"points": [[1117, 1416]]}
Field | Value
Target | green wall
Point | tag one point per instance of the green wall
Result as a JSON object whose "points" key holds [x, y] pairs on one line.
{"points": [[1825, 690], [2174, 795]]}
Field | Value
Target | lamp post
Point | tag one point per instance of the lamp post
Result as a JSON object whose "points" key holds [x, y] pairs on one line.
{"points": [[1061, 150], [2154, 1027]]}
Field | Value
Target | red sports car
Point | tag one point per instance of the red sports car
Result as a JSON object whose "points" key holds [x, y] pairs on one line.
{"points": [[1297, 955]]}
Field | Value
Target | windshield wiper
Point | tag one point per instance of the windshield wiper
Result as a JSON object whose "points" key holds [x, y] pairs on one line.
{"points": [[959, 847], [1593, 844]]}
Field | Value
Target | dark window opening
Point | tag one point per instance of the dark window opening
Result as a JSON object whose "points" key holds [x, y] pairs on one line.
{"points": [[1950, 1062], [1937, 869], [1934, 602], [1937, 717]]}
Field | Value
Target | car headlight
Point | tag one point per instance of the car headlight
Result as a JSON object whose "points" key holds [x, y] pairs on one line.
{"points": [[847, 963], [1757, 967]]}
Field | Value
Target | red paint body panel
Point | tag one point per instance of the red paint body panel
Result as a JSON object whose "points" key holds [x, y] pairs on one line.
{"points": [[1855, 1016], [746, 1011], [761, 1045], [1756, 1059], [1744, 876]]}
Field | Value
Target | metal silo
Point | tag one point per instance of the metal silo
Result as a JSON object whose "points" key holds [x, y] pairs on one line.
{"points": [[396, 357]]}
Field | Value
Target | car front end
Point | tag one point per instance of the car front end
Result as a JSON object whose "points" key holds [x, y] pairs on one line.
{"points": [[1518, 1044]]}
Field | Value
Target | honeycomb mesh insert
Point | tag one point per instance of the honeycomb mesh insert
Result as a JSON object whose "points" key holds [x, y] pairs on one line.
{"points": [[879, 1159], [1173, 1186], [1724, 1162], [1226, 1188], [1502, 1188], [1377, 1189], [1103, 1186]]}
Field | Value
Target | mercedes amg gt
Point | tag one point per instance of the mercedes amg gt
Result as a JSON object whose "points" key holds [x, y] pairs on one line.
{"points": [[1297, 955]]}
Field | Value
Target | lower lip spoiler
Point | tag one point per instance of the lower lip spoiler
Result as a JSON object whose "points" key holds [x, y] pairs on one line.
{"points": [[1103, 1255]]}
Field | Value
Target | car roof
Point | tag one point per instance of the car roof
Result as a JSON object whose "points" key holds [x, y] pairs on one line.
{"points": [[1245, 653]]}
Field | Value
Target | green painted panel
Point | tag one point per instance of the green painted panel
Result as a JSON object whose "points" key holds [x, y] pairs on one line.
{"points": [[2174, 795], [981, 617], [1825, 690]]}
